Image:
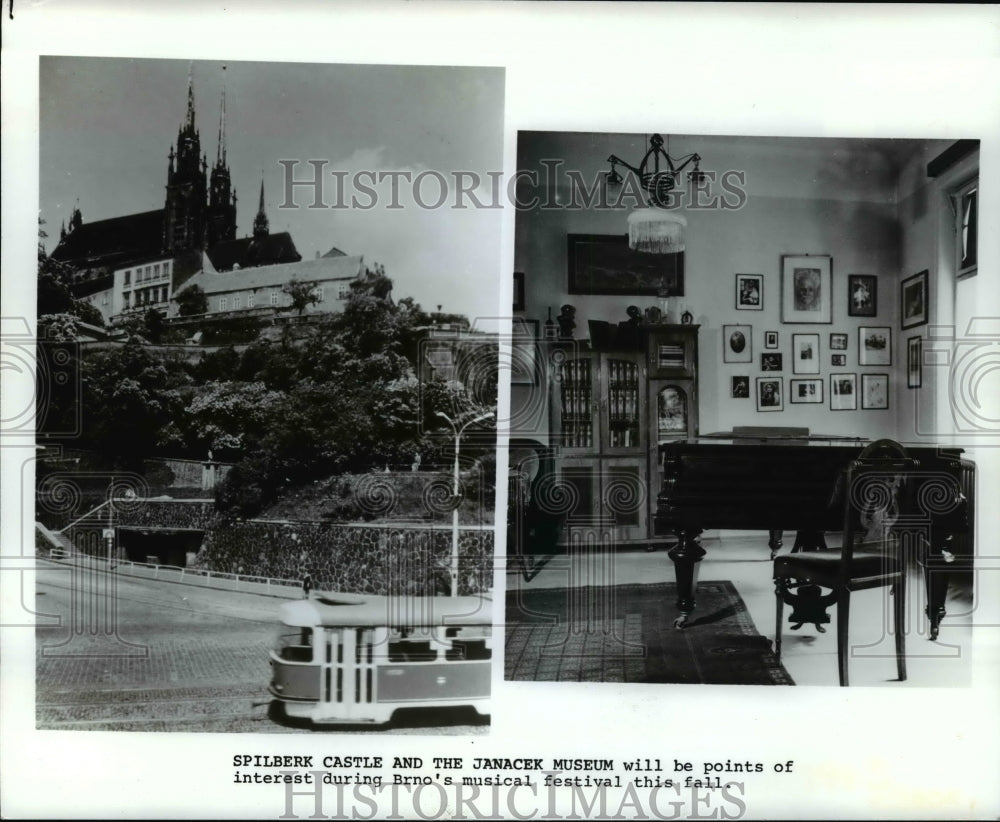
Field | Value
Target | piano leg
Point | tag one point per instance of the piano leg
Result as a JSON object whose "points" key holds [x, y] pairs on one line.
{"points": [[936, 574], [774, 542], [685, 555], [809, 541]]}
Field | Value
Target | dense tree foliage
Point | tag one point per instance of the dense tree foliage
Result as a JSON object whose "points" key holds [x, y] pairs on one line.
{"points": [[191, 301]]}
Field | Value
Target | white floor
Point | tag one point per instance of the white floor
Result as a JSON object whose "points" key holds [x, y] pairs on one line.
{"points": [[809, 657]]}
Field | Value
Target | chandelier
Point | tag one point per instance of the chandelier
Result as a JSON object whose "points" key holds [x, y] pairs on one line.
{"points": [[654, 228]]}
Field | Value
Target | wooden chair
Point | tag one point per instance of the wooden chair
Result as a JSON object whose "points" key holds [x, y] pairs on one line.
{"points": [[873, 492]]}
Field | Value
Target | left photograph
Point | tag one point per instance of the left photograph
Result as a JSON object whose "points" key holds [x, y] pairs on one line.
{"points": [[266, 396]]}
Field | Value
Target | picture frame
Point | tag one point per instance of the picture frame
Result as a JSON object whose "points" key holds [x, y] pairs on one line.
{"points": [[740, 388], [806, 288], [838, 360], [737, 343], [770, 396], [875, 391], [518, 291], [523, 352], [843, 392], [750, 292], [805, 353], [914, 362], [913, 300], [862, 295], [806, 392], [838, 342], [770, 339], [771, 362], [874, 345], [604, 264]]}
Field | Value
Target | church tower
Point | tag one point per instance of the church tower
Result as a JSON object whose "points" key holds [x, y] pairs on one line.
{"points": [[184, 210], [261, 225], [221, 195]]}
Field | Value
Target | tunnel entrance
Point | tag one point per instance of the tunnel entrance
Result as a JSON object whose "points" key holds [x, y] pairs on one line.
{"points": [[164, 546]]}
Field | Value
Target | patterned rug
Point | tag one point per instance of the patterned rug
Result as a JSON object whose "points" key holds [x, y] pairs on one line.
{"points": [[625, 633]]}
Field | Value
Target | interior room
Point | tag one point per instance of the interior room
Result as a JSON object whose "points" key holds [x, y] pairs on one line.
{"points": [[710, 333]]}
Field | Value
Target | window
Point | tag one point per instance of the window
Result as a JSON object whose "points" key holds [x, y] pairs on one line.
{"points": [[236, 302], [125, 299], [249, 300], [156, 270], [222, 303], [274, 298], [164, 294], [343, 292], [966, 200], [128, 276], [319, 294]]}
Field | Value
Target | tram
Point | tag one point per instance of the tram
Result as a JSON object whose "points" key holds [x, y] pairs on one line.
{"points": [[345, 658]]}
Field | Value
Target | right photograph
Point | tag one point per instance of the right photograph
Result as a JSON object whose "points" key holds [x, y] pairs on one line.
{"points": [[682, 510]]}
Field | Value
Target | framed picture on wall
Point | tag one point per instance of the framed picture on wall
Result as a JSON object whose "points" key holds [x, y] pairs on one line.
{"points": [[843, 392], [838, 360], [750, 292], [862, 295], [913, 300], [874, 391], [807, 392], [604, 264], [523, 342], [770, 339], [519, 291], [805, 353], [741, 388], [806, 288], [914, 352], [769, 394], [874, 345], [771, 362], [838, 342], [736, 343]]}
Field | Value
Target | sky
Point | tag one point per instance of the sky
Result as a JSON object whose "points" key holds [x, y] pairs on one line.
{"points": [[107, 125]]}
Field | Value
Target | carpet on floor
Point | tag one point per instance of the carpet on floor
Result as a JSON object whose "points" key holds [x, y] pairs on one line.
{"points": [[625, 633]]}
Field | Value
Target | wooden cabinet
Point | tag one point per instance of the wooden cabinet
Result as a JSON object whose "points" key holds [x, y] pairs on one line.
{"points": [[611, 410]]}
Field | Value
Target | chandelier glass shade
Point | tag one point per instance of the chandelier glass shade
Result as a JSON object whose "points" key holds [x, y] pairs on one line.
{"points": [[656, 231]]}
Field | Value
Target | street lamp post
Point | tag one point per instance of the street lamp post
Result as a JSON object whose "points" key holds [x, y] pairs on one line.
{"points": [[458, 430]]}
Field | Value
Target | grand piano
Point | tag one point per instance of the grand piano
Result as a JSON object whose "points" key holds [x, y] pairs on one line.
{"points": [[779, 480]]}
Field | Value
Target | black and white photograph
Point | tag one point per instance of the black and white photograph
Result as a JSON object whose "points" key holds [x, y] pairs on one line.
{"points": [[843, 392], [874, 345], [806, 288], [771, 362], [913, 299], [384, 433], [862, 295], [214, 334], [769, 394], [805, 353], [806, 392], [737, 342], [750, 292], [875, 391]]}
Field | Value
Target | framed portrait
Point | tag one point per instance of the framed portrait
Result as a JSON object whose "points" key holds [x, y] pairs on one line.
{"points": [[874, 391], [771, 362], [838, 359], [913, 300], [843, 392], [806, 289], [874, 345], [805, 353], [519, 291], [736, 343], [914, 353], [862, 295], [750, 292], [806, 392], [741, 388], [838, 342], [604, 264], [523, 352], [769, 394], [770, 339]]}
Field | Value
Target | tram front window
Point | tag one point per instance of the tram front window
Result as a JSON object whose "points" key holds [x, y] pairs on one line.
{"points": [[296, 647]]}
